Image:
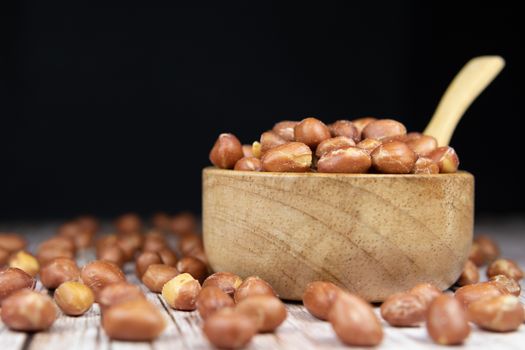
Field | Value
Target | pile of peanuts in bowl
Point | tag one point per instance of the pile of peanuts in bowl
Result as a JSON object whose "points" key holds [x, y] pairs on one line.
{"points": [[364, 145], [232, 309]]}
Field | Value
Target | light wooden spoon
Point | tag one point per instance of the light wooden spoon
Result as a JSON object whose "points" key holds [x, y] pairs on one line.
{"points": [[471, 80]]}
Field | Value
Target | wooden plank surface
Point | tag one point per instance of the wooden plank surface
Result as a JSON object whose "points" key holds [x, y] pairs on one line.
{"points": [[299, 331]]}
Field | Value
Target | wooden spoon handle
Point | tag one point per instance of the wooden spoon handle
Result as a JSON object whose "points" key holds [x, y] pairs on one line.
{"points": [[471, 80]]}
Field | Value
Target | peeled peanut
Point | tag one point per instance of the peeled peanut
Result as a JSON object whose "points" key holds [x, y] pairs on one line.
{"points": [[425, 166], [447, 322], [403, 310], [472, 292], [99, 274], [181, 292], [193, 266], [252, 286], [469, 275], [229, 329], [507, 285], [505, 267], [311, 132], [248, 164], [393, 157], [58, 271], [157, 275], [256, 149], [290, 157], [344, 128], [269, 140], [318, 298], [446, 158], [212, 299], [74, 298], [333, 144], [28, 311], [226, 151], [285, 129], [13, 279], [134, 320], [426, 292], [489, 249], [25, 262], [345, 160], [118, 293], [12, 242], [267, 311], [502, 313], [354, 321], [423, 145], [383, 129]]}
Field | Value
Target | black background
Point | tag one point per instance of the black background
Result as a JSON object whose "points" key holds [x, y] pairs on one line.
{"points": [[114, 108]]}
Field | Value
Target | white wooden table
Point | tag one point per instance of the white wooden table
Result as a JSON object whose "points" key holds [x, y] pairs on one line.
{"points": [[299, 331]]}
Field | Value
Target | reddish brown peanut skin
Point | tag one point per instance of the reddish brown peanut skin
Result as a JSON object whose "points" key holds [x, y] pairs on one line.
{"points": [[248, 164], [394, 158], [503, 313], [183, 223], [157, 275], [469, 275], [285, 129], [361, 123], [403, 310], [226, 151], [344, 128], [135, 320], [507, 285], [472, 292], [168, 257], [229, 329], [226, 281], [369, 145], [99, 274], [4, 257], [425, 166], [12, 242], [333, 144], [247, 151], [383, 129], [423, 145], [446, 158], [267, 311], [345, 160], [120, 292], [212, 299], [427, 292], [318, 298], [354, 321], [58, 271], [505, 267], [193, 266], [476, 255], [488, 248], [13, 279], [144, 260], [269, 140], [311, 132], [28, 311], [127, 223], [112, 254], [252, 286], [447, 322], [290, 157]]}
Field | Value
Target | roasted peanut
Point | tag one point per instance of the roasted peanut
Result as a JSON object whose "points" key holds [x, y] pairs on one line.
{"points": [[469, 275], [248, 164], [4, 257], [354, 321], [226, 281], [290, 157], [332, 144], [88, 223], [311, 132], [28, 311], [285, 129], [157, 275], [133, 320], [184, 223], [181, 292], [383, 129], [189, 243], [447, 322], [168, 256], [12, 242], [212, 299], [446, 158], [476, 255], [12, 280], [161, 222], [106, 240], [267, 311], [472, 292], [393, 158], [369, 145], [503, 313], [269, 140], [489, 248], [252, 286], [226, 151], [318, 298], [25, 262], [144, 260], [344, 128], [58, 271], [229, 329], [154, 241], [425, 166], [403, 310], [128, 223], [129, 243], [118, 293], [73, 230], [505, 267], [507, 285], [426, 292], [345, 160], [256, 149], [56, 247], [99, 274], [423, 145], [74, 298], [193, 266], [361, 123], [247, 151], [111, 253]]}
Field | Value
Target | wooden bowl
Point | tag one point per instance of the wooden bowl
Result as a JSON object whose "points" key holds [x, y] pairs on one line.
{"points": [[370, 233]]}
